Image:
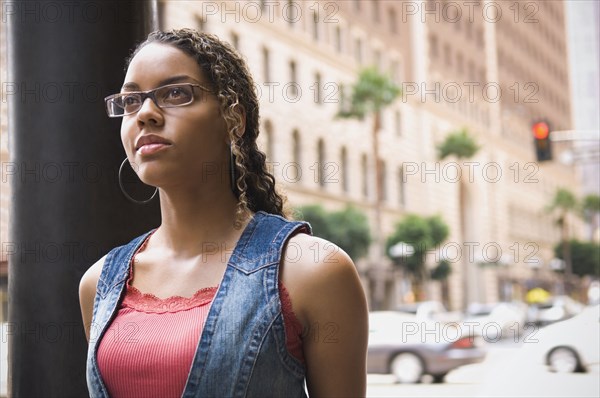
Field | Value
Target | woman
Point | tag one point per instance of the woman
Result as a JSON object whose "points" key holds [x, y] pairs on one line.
{"points": [[226, 297]]}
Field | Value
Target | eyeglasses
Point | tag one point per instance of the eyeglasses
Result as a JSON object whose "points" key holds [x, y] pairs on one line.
{"points": [[169, 96]]}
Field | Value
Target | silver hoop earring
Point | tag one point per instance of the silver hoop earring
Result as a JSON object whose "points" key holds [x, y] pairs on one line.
{"points": [[138, 202]]}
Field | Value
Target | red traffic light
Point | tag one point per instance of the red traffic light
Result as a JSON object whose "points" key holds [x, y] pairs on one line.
{"points": [[540, 130]]}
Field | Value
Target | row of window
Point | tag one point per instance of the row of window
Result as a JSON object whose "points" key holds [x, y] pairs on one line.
{"points": [[531, 92], [354, 46], [456, 60], [544, 56], [328, 172], [375, 9]]}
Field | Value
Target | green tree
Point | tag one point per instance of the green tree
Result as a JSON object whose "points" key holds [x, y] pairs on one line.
{"points": [[347, 228], [371, 94], [350, 231], [461, 145], [318, 219], [423, 234], [441, 273], [563, 204], [590, 208], [585, 257]]}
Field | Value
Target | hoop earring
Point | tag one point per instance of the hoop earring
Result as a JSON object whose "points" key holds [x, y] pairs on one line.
{"points": [[137, 202], [232, 170]]}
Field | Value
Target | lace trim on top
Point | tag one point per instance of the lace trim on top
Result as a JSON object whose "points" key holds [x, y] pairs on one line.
{"points": [[149, 303]]}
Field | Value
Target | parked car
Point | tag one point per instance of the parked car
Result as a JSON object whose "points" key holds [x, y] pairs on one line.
{"points": [[572, 345], [497, 321], [408, 347], [429, 311], [558, 308]]}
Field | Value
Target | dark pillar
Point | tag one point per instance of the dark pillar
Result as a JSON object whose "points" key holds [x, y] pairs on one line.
{"points": [[67, 210]]}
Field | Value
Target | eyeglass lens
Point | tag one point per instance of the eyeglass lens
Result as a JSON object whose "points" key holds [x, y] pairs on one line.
{"points": [[164, 97]]}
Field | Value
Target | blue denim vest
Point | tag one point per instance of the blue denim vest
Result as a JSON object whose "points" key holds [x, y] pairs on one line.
{"points": [[242, 350]]}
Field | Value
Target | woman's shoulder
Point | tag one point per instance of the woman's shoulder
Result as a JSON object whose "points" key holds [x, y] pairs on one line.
{"points": [[89, 280], [318, 272], [313, 253]]}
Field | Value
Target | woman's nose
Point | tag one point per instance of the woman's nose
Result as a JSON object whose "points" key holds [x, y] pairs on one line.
{"points": [[149, 113]]}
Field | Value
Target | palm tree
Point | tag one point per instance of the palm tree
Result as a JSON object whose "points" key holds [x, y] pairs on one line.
{"points": [[462, 146], [564, 203], [371, 93]]}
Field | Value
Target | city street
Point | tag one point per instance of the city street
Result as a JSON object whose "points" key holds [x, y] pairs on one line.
{"points": [[508, 371]]}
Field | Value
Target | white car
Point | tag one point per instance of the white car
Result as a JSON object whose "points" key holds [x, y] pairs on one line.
{"points": [[497, 321], [572, 345]]}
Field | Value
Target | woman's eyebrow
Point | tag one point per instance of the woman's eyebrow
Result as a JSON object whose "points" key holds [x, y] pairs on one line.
{"points": [[131, 86]]}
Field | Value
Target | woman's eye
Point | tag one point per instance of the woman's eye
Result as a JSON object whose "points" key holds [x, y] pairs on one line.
{"points": [[175, 92], [130, 100]]}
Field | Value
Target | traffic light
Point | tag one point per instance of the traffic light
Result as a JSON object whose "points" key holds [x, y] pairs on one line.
{"points": [[541, 140]]}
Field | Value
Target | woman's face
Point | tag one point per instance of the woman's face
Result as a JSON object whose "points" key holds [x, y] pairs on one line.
{"points": [[194, 136]]}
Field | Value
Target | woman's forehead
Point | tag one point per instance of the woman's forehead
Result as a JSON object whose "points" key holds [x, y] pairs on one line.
{"points": [[156, 62]]}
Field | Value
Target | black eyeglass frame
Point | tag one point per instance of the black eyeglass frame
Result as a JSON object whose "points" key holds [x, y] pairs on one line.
{"points": [[152, 95]]}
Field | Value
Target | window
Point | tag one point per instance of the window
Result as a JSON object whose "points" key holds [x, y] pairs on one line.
{"points": [[459, 64], [318, 94], [296, 157], [447, 55], [344, 171], [358, 50], [266, 71], [357, 5], [394, 71], [377, 59], [293, 78], [200, 22], [472, 76], [338, 39], [315, 26], [291, 13], [433, 46], [342, 99], [401, 187], [376, 16], [321, 163], [235, 40], [269, 138], [398, 123], [393, 23], [364, 167]]}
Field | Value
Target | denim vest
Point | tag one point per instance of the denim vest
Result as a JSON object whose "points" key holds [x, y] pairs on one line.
{"points": [[242, 349]]}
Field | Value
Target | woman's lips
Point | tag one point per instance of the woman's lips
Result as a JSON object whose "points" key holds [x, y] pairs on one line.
{"points": [[149, 149]]}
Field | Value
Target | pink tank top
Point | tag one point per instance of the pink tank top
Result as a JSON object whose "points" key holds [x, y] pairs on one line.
{"points": [[149, 347]]}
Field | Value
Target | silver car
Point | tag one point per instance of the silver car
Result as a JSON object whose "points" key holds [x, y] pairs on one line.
{"points": [[408, 347]]}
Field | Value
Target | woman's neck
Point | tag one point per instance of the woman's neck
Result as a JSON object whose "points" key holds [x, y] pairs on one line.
{"points": [[194, 223]]}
